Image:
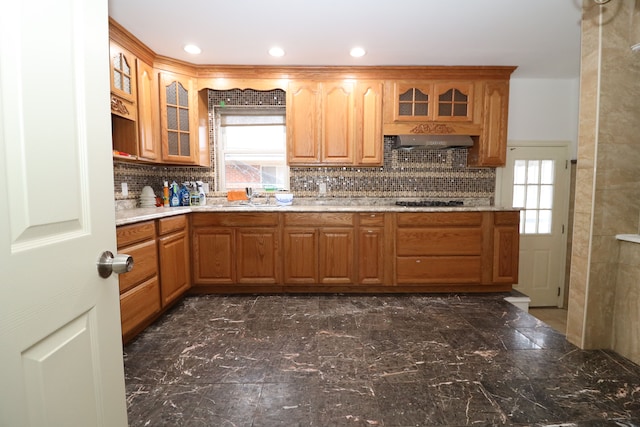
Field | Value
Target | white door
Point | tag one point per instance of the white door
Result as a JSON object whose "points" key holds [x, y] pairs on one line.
{"points": [[60, 345], [536, 180]]}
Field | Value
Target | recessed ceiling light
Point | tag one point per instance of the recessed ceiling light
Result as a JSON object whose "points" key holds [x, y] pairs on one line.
{"points": [[276, 51], [193, 49], [357, 52]]}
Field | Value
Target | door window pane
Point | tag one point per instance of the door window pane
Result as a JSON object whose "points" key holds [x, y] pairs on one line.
{"points": [[533, 182]]}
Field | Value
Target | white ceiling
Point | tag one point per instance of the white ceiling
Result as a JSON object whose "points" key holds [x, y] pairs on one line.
{"points": [[541, 37]]}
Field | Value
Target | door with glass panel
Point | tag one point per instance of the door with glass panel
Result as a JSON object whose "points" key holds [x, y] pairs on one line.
{"points": [[536, 180]]}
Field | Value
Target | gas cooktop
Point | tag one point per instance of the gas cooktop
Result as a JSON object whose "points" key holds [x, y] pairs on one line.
{"points": [[430, 203]]}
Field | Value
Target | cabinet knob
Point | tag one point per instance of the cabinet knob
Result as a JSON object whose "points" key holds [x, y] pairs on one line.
{"points": [[418, 261]]}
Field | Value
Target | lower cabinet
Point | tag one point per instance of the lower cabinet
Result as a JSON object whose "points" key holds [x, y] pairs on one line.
{"points": [[371, 249], [238, 248], [506, 247], [319, 248], [160, 274], [139, 288], [173, 250]]}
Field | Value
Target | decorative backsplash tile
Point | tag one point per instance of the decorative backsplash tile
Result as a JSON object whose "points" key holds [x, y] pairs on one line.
{"points": [[418, 173]]}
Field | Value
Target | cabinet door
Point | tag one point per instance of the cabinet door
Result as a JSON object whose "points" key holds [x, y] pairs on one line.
{"points": [[257, 255], [213, 260], [454, 101], [371, 255], [178, 118], [300, 255], [368, 122], [148, 126], [491, 149], [174, 266], [123, 72], [336, 254], [506, 247], [338, 123], [303, 123], [413, 101]]}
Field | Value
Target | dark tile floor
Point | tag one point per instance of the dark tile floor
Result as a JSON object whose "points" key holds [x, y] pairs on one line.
{"points": [[390, 360]]}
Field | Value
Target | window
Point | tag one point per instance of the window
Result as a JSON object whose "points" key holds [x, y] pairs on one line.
{"points": [[251, 149], [533, 193]]}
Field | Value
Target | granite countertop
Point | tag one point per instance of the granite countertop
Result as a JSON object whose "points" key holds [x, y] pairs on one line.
{"points": [[129, 216]]}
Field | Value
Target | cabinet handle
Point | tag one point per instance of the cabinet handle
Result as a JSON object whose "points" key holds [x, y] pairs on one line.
{"points": [[418, 261]]}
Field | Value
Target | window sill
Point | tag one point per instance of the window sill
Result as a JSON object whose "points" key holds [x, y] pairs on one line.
{"points": [[634, 238]]}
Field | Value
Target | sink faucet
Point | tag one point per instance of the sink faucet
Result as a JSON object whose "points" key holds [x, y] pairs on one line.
{"points": [[249, 191]]}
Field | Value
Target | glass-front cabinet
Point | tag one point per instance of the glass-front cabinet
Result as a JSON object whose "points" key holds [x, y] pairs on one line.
{"points": [[432, 101], [178, 118]]}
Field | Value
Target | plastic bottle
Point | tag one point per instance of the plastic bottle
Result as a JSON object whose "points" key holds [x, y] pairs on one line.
{"points": [[201, 195], [165, 194], [174, 198]]}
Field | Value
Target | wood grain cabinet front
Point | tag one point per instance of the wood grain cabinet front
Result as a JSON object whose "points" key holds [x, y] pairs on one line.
{"points": [[334, 123], [238, 248], [140, 288], [319, 248], [439, 248], [173, 250]]}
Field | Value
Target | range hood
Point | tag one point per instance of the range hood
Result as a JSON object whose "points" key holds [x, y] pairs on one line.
{"points": [[409, 142]]}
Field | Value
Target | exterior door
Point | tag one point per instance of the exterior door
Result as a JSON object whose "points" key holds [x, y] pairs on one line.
{"points": [[60, 344], [536, 180]]}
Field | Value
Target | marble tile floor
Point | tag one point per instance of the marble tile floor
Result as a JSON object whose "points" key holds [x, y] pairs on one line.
{"points": [[384, 360], [552, 316]]}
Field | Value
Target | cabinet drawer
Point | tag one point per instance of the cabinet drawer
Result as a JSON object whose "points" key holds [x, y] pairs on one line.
{"points": [[172, 223], [145, 264], [371, 219], [128, 234], [506, 218], [416, 219], [333, 219], [438, 241], [139, 304], [436, 270], [239, 219]]}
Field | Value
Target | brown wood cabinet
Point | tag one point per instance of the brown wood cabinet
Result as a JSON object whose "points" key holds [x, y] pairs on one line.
{"points": [[506, 247], [492, 149], [173, 250], [334, 123], [430, 101], [371, 260], [319, 248], [235, 248], [178, 118], [140, 288], [439, 248], [160, 274], [148, 115]]}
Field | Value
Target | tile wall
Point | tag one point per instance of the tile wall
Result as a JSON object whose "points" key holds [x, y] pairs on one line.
{"points": [[607, 181], [404, 174]]}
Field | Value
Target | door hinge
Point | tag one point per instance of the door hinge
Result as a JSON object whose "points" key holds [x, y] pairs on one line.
{"points": [[566, 164], [558, 291], [562, 228]]}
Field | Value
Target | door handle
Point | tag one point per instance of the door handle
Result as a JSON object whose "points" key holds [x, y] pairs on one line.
{"points": [[108, 263]]}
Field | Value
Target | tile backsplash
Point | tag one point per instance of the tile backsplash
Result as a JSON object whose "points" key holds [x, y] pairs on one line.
{"points": [[419, 173]]}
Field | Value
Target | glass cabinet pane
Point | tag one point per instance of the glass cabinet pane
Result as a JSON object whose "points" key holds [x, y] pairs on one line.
{"points": [[185, 148], [172, 118], [173, 143], [183, 96], [172, 97], [184, 119]]}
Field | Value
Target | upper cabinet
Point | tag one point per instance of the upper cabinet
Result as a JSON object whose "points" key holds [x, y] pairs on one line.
{"points": [[178, 118], [334, 123], [419, 101], [476, 106], [492, 147]]}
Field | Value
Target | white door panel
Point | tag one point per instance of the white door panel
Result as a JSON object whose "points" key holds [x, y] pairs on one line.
{"points": [[60, 344], [536, 179]]}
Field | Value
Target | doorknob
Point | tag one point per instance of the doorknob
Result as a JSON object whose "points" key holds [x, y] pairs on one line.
{"points": [[108, 263]]}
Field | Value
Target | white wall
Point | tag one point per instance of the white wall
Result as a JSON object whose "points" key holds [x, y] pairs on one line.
{"points": [[544, 110]]}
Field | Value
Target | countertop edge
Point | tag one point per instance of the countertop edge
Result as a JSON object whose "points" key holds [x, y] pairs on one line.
{"points": [[131, 216], [633, 238]]}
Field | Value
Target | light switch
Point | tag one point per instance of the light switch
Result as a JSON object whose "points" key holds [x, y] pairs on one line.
{"points": [[125, 189]]}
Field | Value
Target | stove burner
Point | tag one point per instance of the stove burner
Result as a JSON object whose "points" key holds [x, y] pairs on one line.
{"points": [[430, 203]]}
